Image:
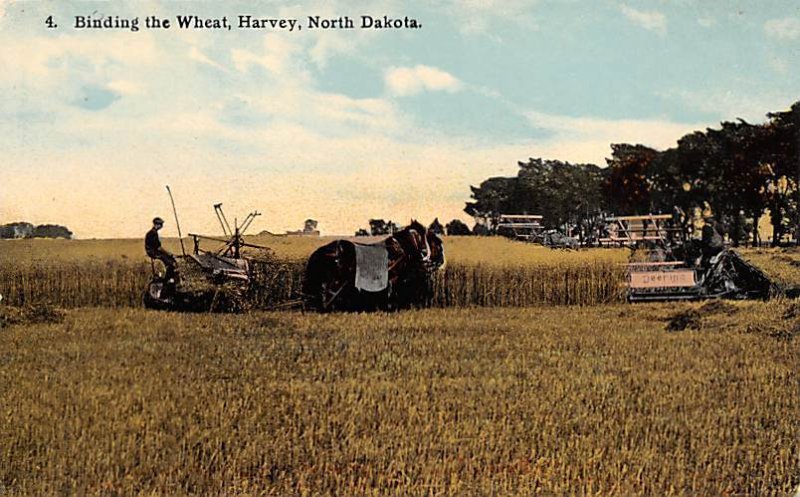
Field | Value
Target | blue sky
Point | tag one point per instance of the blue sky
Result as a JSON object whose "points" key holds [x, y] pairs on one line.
{"points": [[342, 126]]}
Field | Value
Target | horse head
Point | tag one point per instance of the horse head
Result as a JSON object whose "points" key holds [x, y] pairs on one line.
{"points": [[422, 245], [412, 239], [436, 259]]}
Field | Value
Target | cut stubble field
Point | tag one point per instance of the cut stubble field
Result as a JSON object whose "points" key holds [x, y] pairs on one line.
{"points": [[497, 392], [592, 400]]}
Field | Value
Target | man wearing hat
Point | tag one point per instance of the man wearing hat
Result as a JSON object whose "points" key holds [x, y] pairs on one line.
{"points": [[152, 245], [713, 240]]}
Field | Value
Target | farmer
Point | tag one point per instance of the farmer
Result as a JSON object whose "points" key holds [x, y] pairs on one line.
{"points": [[712, 241], [152, 245]]}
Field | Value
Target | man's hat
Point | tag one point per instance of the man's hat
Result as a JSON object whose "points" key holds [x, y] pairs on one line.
{"points": [[158, 220]]}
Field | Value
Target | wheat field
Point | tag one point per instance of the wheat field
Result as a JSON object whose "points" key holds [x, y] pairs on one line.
{"points": [[528, 378], [572, 400], [480, 272]]}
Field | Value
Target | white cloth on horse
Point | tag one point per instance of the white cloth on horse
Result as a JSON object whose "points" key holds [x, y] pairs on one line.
{"points": [[372, 267]]}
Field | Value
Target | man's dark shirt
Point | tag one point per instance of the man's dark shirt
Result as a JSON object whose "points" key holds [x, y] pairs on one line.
{"points": [[712, 238], [152, 245]]}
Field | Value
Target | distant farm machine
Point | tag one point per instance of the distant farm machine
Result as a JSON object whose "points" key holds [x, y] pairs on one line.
{"points": [[667, 266], [652, 230], [520, 226], [531, 228]]}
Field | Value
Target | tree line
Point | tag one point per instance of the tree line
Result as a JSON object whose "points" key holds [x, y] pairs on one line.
{"points": [[738, 172], [380, 227], [22, 229]]}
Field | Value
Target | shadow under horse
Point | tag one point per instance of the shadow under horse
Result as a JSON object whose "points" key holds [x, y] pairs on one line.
{"points": [[394, 273]]}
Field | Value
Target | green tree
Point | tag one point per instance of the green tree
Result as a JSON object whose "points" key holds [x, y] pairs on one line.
{"points": [[457, 227], [492, 197], [739, 168], [379, 227], [783, 130], [627, 185], [563, 193]]}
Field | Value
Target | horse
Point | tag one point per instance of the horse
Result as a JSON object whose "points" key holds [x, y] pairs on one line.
{"points": [[402, 266]]}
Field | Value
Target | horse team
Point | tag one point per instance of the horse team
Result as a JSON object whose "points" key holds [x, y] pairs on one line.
{"points": [[412, 255]]}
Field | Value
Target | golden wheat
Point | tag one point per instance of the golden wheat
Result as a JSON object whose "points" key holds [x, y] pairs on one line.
{"points": [[480, 272]]}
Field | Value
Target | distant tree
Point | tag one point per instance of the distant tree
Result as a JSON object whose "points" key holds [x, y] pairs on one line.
{"points": [[626, 185], [491, 198], [574, 193], [561, 192], [310, 226], [739, 171], [436, 227], [481, 230], [680, 176], [362, 232], [378, 227], [51, 231], [784, 143], [678, 180], [457, 227], [19, 229], [778, 192]]}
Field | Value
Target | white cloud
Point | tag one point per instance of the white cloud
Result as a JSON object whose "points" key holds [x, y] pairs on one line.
{"points": [[477, 16], [280, 55], [50, 74], [323, 45], [124, 87], [778, 64], [405, 81], [33, 58], [329, 112], [292, 96], [783, 29], [587, 139], [197, 55], [707, 22], [728, 105], [651, 20]]}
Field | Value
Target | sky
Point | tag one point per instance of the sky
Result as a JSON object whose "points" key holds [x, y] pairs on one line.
{"points": [[346, 125]]}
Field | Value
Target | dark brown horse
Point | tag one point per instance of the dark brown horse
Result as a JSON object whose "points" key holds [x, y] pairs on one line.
{"points": [[410, 257]]}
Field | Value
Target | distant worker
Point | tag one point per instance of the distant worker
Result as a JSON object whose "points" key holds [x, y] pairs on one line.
{"points": [[676, 233], [152, 245], [712, 240]]}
